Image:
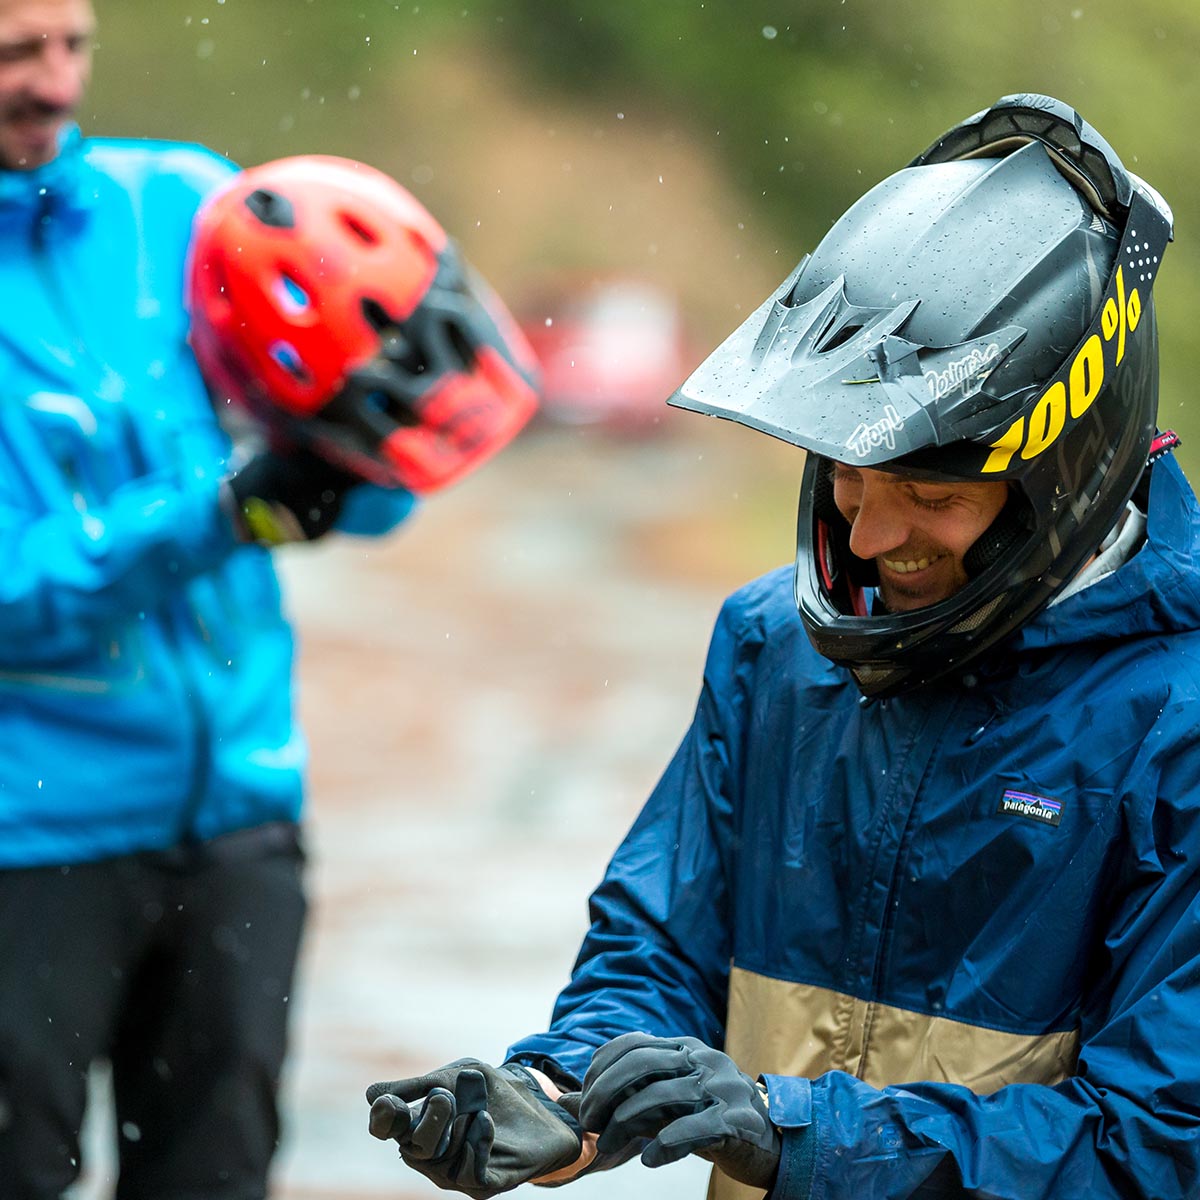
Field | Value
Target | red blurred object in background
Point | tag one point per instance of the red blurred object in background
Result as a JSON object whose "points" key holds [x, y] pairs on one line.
{"points": [[611, 352]]}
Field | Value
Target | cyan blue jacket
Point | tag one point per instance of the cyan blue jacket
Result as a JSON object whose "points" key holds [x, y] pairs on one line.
{"points": [[145, 664], [957, 931]]}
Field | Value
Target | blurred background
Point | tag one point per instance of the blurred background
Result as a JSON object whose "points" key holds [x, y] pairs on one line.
{"points": [[490, 694]]}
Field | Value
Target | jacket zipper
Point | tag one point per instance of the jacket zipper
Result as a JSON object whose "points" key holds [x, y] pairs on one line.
{"points": [[930, 738], [201, 731]]}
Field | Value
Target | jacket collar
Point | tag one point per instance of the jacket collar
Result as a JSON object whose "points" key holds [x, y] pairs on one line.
{"points": [[1157, 591], [64, 187]]}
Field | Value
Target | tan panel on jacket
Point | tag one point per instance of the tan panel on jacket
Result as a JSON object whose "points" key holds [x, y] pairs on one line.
{"points": [[780, 1028]]}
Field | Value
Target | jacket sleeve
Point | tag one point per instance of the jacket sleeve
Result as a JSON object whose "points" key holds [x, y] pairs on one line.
{"points": [[1125, 1125], [656, 958], [65, 574], [372, 511], [90, 533]]}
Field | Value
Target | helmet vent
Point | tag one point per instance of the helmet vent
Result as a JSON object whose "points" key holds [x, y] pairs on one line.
{"points": [[285, 354], [364, 234], [376, 315], [272, 209], [399, 341], [292, 295], [972, 622], [460, 343], [873, 675], [839, 338]]}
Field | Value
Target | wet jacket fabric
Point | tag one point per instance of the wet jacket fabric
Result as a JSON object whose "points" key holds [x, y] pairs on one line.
{"points": [[144, 660], [957, 931]]}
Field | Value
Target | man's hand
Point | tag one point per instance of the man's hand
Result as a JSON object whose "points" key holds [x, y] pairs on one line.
{"points": [[287, 496], [688, 1098], [475, 1129]]}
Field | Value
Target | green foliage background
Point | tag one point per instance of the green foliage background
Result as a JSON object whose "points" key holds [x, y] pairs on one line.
{"points": [[798, 107]]}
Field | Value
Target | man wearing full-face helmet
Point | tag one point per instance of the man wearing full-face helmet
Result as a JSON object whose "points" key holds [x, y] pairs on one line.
{"points": [[915, 908]]}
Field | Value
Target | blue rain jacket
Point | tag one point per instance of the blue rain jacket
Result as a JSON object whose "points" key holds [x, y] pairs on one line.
{"points": [[145, 664], [958, 931]]}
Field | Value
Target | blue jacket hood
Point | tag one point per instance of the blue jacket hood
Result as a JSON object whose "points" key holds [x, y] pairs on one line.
{"points": [[1155, 592]]}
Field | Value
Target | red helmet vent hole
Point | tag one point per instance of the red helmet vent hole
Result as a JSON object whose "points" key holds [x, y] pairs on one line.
{"points": [[292, 295], [376, 315], [364, 234], [286, 356], [271, 208]]}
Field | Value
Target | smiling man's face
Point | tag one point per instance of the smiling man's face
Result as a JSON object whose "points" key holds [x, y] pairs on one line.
{"points": [[915, 531], [45, 62]]}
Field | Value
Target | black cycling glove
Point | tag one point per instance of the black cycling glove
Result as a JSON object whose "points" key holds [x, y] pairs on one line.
{"points": [[688, 1098], [476, 1129], [287, 496]]}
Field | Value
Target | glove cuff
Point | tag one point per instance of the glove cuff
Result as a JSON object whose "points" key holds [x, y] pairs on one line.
{"points": [[258, 521]]}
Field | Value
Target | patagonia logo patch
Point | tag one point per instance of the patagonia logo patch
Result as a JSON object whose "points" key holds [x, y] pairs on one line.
{"points": [[1034, 808]]}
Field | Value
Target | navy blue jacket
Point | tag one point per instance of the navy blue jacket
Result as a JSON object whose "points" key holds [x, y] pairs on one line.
{"points": [[957, 931]]}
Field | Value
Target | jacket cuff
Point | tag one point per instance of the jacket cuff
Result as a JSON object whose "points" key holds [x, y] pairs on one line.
{"points": [[370, 511], [789, 1103]]}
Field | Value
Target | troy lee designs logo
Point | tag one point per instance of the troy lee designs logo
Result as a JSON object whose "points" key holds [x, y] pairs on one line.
{"points": [[961, 372], [878, 433]]}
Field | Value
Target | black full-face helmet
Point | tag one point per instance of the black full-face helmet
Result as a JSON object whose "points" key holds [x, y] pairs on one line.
{"points": [[983, 314]]}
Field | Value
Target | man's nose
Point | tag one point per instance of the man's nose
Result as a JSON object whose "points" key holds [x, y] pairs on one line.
{"points": [[879, 525], [59, 76]]}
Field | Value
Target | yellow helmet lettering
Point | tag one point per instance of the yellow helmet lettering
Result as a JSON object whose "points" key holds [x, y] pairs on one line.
{"points": [[1046, 421], [1007, 445], [1110, 318], [1133, 310], [1087, 376]]}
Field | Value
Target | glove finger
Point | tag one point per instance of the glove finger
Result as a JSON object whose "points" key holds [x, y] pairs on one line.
{"points": [[378, 1089], [635, 1069], [417, 1087], [470, 1092], [687, 1135], [477, 1150], [390, 1117], [653, 1108], [618, 1047], [633, 1072], [430, 1133]]}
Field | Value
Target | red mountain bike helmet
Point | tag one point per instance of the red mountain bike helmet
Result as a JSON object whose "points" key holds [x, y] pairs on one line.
{"points": [[327, 301], [985, 313]]}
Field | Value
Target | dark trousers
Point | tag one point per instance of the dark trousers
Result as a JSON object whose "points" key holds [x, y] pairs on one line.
{"points": [[177, 968]]}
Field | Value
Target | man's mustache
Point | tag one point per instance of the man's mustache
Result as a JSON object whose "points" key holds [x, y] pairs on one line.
{"points": [[39, 110]]}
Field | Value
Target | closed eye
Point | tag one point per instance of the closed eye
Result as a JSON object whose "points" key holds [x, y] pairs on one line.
{"points": [[932, 503]]}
